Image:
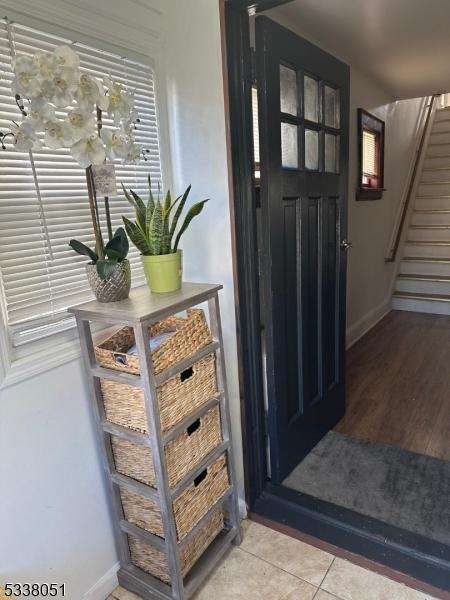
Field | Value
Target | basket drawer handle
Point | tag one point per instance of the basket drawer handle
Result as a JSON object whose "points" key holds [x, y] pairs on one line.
{"points": [[193, 427], [120, 359], [186, 374], [200, 478]]}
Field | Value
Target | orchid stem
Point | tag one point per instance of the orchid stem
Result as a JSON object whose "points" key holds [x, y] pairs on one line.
{"points": [[94, 214], [107, 210]]}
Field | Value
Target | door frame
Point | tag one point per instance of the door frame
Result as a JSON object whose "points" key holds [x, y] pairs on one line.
{"points": [[412, 554]]}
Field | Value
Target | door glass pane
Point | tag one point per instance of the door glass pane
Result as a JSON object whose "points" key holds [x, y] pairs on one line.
{"points": [[311, 150], [288, 90], [311, 96], [331, 99], [289, 146], [331, 153]]}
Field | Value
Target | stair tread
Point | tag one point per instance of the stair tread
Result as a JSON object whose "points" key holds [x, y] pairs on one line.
{"points": [[419, 277], [431, 226], [426, 259], [422, 296], [429, 242]]}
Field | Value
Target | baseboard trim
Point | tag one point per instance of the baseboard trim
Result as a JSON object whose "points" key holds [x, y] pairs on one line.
{"points": [[359, 329], [104, 586]]}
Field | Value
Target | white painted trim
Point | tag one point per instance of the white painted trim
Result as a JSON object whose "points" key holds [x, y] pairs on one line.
{"points": [[369, 320], [87, 24], [104, 586]]}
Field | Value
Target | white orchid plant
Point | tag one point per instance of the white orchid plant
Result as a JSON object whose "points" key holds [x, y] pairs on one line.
{"points": [[61, 107]]}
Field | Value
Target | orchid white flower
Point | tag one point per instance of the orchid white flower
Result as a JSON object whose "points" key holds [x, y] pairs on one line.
{"points": [[89, 93], [133, 154], [58, 135], [121, 100], [66, 57], [88, 151], [39, 113], [81, 123], [26, 82], [116, 145], [45, 63], [25, 137], [65, 81]]}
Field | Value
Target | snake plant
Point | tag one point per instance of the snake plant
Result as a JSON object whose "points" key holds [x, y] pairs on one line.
{"points": [[154, 229]]}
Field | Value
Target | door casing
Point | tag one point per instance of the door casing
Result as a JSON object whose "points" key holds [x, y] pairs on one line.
{"points": [[399, 549]]}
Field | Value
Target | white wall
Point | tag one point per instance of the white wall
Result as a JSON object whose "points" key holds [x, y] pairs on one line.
{"points": [[370, 223], [54, 520], [193, 66]]}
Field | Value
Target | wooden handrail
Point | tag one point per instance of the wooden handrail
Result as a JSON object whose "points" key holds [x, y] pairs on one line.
{"points": [[404, 210]]}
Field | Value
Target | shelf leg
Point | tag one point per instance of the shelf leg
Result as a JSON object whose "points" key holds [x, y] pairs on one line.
{"points": [[159, 461], [216, 330]]}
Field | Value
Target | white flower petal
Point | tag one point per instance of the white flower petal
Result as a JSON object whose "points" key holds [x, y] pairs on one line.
{"points": [[66, 56]]}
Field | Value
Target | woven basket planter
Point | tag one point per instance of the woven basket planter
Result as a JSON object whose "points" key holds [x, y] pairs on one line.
{"points": [[177, 397], [155, 563], [189, 336], [183, 453], [192, 504]]}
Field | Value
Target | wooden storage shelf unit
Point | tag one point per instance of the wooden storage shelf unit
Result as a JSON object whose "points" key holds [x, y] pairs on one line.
{"points": [[179, 578]]}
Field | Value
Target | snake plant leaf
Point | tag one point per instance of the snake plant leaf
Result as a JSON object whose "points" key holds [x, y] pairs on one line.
{"points": [[83, 249], [105, 268], [178, 212], [151, 199], [139, 207], [137, 236], [195, 210], [155, 232], [118, 246], [165, 243]]}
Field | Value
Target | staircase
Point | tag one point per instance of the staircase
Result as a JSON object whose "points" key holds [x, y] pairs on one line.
{"points": [[423, 283]]}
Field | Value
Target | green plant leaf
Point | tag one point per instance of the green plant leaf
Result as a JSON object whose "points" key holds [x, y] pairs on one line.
{"points": [[105, 267], [178, 213], [118, 246], [137, 236], [155, 233], [165, 243], [151, 199], [195, 210], [138, 205], [83, 249]]}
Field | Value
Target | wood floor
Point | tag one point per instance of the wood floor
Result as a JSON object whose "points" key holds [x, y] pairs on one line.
{"points": [[398, 384]]}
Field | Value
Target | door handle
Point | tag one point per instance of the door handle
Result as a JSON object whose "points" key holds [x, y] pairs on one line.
{"points": [[346, 245]]}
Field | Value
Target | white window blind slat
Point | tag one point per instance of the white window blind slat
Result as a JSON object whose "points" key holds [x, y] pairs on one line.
{"points": [[369, 153], [37, 290]]}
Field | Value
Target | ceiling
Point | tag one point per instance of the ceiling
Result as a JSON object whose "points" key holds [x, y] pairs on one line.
{"points": [[404, 45]]}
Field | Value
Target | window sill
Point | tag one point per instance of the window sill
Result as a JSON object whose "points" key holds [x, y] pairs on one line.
{"points": [[369, 193], [49, 354]]}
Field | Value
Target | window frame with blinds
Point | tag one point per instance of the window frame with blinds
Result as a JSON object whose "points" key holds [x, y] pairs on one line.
{"points": [[39, 283], [370, 185]]}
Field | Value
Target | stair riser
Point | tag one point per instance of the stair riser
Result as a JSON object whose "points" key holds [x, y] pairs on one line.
{"points": [[425, 268], [434, 189], [423, 287], [441, 175], [424, 306], [430, 218], [440, 150], [429, 251], [441, 125], [441, 114], [437, 161], [432, 203], [438, 235], [440, 138]]}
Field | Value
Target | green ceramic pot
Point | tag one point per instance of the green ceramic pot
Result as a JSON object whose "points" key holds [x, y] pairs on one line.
{"points": [[163, 272]]}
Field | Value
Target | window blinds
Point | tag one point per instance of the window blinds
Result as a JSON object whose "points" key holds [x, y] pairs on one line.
{"points": [[369, 153], [39, 283]]}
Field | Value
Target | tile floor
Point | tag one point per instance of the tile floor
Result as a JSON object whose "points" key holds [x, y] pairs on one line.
{"points": [[273, 566]]}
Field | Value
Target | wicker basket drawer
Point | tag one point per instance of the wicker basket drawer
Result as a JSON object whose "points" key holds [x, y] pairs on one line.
{"points": [[187, 337], [189, 507], [177, 397], [182, 454], [155, 563]]}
